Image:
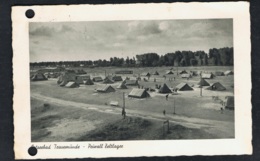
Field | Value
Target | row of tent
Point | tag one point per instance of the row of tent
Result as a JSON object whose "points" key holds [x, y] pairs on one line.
{"points": [[142, 93], [82, 79], [186, 74]]}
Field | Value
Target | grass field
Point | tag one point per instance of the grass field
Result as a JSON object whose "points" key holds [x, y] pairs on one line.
{"points": [[188, 104]]}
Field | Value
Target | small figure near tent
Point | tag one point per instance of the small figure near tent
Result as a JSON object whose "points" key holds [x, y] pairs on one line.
{"points": [[167, 97], [164, 112], [222, 110], [123, 113]]}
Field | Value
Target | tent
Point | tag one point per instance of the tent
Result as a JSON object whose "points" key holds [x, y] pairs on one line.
{"points": [[71, 85], [207, 75], [228, 72], [107, 80], [146, 74], [131, 82], [218, 73], [193, 73], [186, 76], [183, 87], [203, 82], [63, 83], [106, 89], [216, 87], [84, 76], [79, 80], [229, 103], [122, 86], [138, 93], [38, 77], [97, 79], [169, 72], [80, 71], [59, 79], [66, 76], [155, 73], [46, 75], [70, 76], [183, 72], [89, 82], [164, 89], [117, 78]]}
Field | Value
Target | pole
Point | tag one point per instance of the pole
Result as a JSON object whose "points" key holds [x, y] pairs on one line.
{"points": [[123, 100], [174, 105], [105, 73], [200, 87]]}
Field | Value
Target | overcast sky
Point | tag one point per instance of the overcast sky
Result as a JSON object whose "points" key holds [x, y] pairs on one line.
{"points": [[67, 41]]}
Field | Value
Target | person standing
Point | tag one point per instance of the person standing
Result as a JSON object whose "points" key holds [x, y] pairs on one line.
{"points": [[167, 97], [123, 113], [164, 112]]}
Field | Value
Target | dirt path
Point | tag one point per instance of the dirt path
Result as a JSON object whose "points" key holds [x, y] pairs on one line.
{"points": [[221, 128]]}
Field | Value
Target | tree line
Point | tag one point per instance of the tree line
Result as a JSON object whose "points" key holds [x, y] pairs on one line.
{"points": [[215, 57]]}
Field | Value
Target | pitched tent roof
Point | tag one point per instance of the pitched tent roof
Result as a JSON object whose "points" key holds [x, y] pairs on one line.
{"points": [[107, 80], [207, 75], [229, 103], [183, 87], [169, 72], [165, 89], [145, 74], [228, 72], [131, 82], [186, 76], [117, 78], [203, 82], [63, 83], [218, 73], [72, 85], [97, 79], [138, 93], [89, 82], [216, 87], [79, 80], [70, 76], [122, 86], [106, 89], [38, 77], [155, 73], [183, 72]]}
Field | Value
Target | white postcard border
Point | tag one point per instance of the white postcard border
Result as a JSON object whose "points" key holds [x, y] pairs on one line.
{"points": [[238, 11]]}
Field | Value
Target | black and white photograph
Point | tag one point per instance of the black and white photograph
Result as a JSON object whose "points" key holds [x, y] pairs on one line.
{"points": [[119, 83], [132, 80]]}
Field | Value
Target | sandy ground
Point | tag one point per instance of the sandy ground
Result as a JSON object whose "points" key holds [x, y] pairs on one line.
{"points": [[220, 129]]}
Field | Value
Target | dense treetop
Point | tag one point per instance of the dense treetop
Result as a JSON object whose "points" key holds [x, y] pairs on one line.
{"points": [[215, 57]]}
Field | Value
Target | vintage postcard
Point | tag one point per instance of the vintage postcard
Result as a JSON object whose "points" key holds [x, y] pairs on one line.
{"points": [[130, 80]]}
